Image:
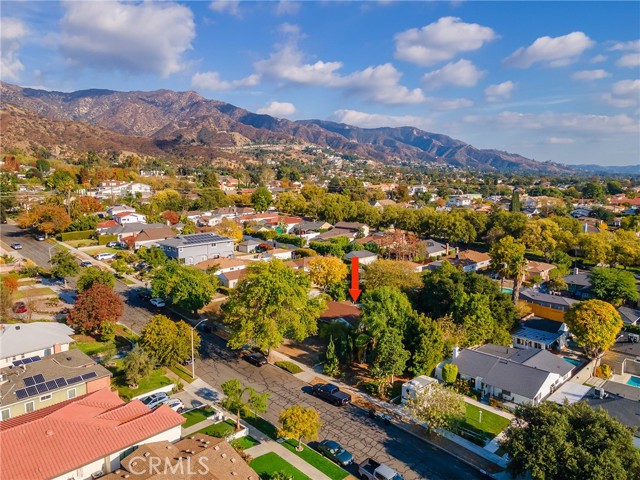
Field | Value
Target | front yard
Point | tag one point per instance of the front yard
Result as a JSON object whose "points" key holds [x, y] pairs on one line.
{"points": [[488, 423], [197, 416], [270, 463], [220, 429], [155, 380]]}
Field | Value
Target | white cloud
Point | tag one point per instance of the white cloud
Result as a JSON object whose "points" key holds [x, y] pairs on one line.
{"points": [[140, 38], [552, 51], [378, 83], [376, 120], [231, 7], [558, 123], [560, 141], [12, 31], [287, 7], [599, 59], [448, 103], [629, 60], [212, 81], [441, 41], [632, 45], [500, 91], [462, 73], [590, 75], [278, 109], [624, 94]]}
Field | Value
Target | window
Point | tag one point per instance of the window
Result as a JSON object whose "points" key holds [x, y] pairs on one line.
{"points": [[71, 393], [5, 414], [29, 407], [44, 398]]}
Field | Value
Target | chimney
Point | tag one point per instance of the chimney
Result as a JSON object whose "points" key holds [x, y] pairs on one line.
{"points": [[447, 248], [456, 351], [585, 227], [576, 271]]}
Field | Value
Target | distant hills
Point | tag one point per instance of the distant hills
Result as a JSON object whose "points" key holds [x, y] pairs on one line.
{"points": [[185, 123], [611, 170]]}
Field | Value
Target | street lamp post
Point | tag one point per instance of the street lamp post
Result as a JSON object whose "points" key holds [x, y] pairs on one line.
{"points": [[193, 357]]}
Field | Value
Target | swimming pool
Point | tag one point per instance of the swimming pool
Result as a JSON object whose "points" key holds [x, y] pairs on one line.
{"points": [[634, 381], [507, 290], [576, 362]]}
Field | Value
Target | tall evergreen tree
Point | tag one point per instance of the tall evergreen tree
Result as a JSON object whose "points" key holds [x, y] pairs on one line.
{"points": [[515, 201]]}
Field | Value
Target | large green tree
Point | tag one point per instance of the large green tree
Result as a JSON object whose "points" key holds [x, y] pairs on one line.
{"points": [[425, 340], [64, 265], [507, 259], [299, 422], [243, 400], [270, 303], [573, 442], [391, 273], [92, 275], [613, 285], [595, 324], [188, 287], [261, 199], [383, 308], [168, 342], [390, 357], [137, 365]]}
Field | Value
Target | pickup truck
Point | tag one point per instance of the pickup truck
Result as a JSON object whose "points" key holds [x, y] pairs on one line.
{"points": [[331, 393], [377, 471]]}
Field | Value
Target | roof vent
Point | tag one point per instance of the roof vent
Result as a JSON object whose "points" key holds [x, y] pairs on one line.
{"points": [[216, 448], [233, 460], [68, 359], [224, 455], [49, 433], [146, 454]]}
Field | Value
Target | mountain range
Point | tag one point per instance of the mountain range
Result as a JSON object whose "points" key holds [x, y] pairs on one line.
{"points": [[187, 124]]}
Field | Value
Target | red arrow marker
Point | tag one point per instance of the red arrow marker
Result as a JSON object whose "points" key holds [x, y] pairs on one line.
{"points": [[354, 291]]}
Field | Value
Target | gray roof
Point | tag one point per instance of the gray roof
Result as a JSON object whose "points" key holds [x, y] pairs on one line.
{"points": [[549, 362], [625, 410], [435, 247], [194, 239], [516, 378], [66, 368], [535, 335], [336, 232], [360, 254], [250, 242], [535, 296], [350, 225], [580, 279], [19, 338], [629, 315]]}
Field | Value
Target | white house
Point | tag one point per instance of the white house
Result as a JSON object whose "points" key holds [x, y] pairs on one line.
{"points": [[411, 388], [24, 341], [365, 257], [129, 217], [118, 188]]}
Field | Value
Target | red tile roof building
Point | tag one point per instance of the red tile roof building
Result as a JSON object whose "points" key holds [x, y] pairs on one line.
{"points": [[82, 436]]}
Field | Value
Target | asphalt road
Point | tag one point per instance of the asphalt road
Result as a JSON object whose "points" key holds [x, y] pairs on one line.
{"points": [[413, 458]]}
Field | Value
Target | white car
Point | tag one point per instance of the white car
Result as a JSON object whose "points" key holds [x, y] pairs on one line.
{"points": [[105, 256], [176, 405], [157, 302]]}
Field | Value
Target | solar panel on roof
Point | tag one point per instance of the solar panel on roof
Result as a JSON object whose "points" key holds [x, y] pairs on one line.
{"points": [[27, 360], [39, 378], [21, 394], [29, 381], [89, 375], [61, 382], [17, 363], [51, 385], [31, 391], [42, 388], [72, 380]]}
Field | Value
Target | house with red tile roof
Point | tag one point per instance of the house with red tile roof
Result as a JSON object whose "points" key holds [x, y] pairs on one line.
{"points": [[81, 437]]}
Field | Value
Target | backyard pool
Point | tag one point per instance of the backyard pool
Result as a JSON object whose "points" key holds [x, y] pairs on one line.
{"points": [[634, 381], [575, 362], [507, 290]]}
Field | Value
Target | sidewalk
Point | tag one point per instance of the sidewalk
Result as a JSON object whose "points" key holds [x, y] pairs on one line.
{"points": [[482, 459]]}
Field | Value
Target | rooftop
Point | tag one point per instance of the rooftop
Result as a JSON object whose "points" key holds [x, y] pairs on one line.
{"points": [[536, 296], [194, 239], [360, 254], [19, 338], [345, 310], [69, 435], [48, 374]]}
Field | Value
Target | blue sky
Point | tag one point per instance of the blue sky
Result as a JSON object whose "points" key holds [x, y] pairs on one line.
{"points": [[551, 80]]}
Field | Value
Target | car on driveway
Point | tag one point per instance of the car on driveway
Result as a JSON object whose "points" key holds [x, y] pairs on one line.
{"points": [[19, 307], [335, 451], [157, 302], [104, 256], [16, 246], [256, 359], [39, 237], [86, 263], [176, 405], [155, 400]]}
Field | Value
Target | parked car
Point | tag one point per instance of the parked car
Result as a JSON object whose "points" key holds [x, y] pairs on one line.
{"points": [[140, 266], [155, 400], [331, 393], [86, 263], [380, 416], [113, 244], [16, 246], [372, 470], [39, 237], [256, 359], [335, 451], [157, 302], [144, 294], [19, 307], [104, 256], [176, 405]]}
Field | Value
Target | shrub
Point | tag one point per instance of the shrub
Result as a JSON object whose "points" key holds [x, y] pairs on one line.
{"points": [[305, 252], [82, 235], [449, 373], [289, 367], [494, 402], [104, 239], [603, 371], [290, 240]]}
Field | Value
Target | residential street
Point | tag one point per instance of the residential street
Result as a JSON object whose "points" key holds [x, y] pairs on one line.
{"points": [[350, 426]]}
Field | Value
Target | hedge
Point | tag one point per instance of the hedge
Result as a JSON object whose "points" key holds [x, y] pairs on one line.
{"points": [[290, 239], [82, 235], [104, 239], [289, 367]]}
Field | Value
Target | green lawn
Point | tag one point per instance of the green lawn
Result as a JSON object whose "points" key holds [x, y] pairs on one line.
{"points": [[319, 461], [155, 380], [221, 429], [182, 372], [197, 415], [264, 426], [244, 443], [491, 423], [268, 464], [93, 348]]}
